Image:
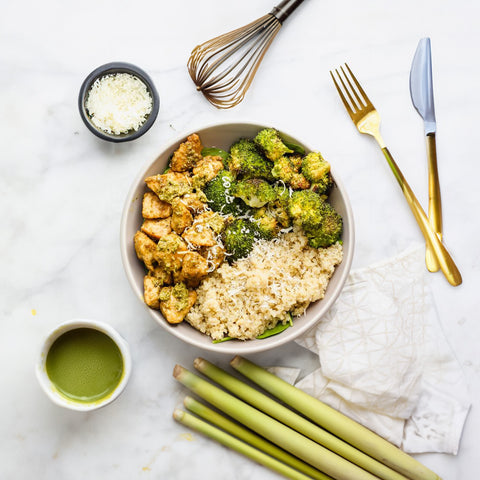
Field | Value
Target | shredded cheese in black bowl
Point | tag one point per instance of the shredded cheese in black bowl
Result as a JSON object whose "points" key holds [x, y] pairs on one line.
{"points": [[118, 102]]}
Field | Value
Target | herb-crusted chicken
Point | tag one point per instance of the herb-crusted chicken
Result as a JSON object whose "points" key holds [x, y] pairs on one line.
{"points": [[175, 302], [156, 228], [153, 207], [169, 185], [187, 155]]}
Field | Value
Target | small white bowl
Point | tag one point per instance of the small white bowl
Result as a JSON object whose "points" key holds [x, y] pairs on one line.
{"points": [[222, 136], [47, 384]]}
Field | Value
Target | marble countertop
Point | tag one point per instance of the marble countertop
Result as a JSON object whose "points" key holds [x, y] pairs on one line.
{"points": [[63, 192]]}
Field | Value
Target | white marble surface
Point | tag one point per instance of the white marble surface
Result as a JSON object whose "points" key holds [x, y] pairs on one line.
{"points": [[63, 189]]}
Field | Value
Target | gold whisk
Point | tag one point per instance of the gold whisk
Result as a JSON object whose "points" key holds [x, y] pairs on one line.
{"points": [[223, 68]]}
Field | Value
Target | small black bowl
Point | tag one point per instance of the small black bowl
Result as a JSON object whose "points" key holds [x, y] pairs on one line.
{"points": [[108, 69]]}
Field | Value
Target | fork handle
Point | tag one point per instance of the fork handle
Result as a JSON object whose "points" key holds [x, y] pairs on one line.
{"points": [[434, 200], [447, 265]]}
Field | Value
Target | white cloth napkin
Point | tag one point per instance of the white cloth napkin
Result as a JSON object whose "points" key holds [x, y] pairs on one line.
{"points": [[384, 359]]}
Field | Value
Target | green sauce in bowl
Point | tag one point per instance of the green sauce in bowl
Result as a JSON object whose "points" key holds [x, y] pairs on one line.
{"points": [[85, 365]]}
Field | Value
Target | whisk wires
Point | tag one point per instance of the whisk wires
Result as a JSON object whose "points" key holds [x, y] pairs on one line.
{"points": [[223, 68]]}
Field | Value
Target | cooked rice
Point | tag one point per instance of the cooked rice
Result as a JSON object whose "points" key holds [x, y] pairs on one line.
{"points": [[246, 298]]}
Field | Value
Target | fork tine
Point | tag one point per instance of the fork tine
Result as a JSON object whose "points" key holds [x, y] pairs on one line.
{"points": [[342, 96], [360, 101], [357, 106], [360, 89]]}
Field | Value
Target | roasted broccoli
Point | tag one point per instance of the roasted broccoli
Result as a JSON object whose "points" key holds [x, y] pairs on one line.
{"points": [[329, 229], [219, 194], [239, 238], [266, 223], [247, 162], [320, 222], [270, 142], [296, 161], [287, 171], [304, 207], [255, 192], [317, 171], [279, 206], [283, 169]]}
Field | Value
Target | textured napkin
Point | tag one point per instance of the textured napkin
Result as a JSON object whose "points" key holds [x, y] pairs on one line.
{"points": [[384, 359]]}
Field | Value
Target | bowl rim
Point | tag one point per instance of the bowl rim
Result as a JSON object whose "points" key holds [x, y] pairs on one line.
{"points": [[249, 346], [111, 68]]}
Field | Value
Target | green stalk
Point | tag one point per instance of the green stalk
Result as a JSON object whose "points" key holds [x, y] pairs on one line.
{"points": [[283, 436], [335, 422], [237, 445], [295, 421], [251, 438]]}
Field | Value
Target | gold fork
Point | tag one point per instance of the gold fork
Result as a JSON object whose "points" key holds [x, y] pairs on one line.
{"points": [[367, 120]]}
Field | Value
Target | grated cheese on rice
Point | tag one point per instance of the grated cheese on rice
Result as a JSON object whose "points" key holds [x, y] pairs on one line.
{"points": [[246, 298], [118, 103]]}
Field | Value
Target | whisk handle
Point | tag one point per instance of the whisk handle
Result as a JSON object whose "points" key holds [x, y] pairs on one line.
{"points": [[284, 9]]}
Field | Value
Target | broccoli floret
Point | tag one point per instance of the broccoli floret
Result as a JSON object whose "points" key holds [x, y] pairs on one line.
{"points": [[283, 169], [329, 229], [247, 162], [279, 207], [255, 192], [324, 186], [219, 195], [296, 161], [287, 171], [304, 207], [320, 222], [317, 170], [299, 182], [269, 140], [239, 238], [266, 223]]}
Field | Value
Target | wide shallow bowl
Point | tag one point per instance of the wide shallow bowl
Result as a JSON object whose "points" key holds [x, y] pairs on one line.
{"points": [[111, 69], [222, 136]]}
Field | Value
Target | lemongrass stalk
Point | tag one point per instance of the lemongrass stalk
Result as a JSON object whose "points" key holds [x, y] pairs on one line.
{"points": [[251, 438], [283, 436], [335, 422], [235, 444], [295, 421]]}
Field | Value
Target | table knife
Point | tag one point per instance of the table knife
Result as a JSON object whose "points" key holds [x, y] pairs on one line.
{"points": [[421, 92]]}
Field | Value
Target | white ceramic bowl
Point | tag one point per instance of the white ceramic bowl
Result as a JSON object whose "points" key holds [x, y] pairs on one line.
{"points": [[47, 384], [222, 136]]}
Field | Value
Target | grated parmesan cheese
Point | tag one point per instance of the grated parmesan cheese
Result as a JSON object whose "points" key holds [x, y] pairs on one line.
{"points": [[118, 103]]}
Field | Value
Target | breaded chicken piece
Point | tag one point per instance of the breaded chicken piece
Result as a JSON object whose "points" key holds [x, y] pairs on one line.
{"points": [[169, 185], [176, 302], [157, 228], [199, 235], [194, 269], [181, 216], [146, 250], [170, 251], [206, 170], [214, 255], [153, 207], [194, 202], [162, 276], [151, 291], [212, 219], [187, 155]]}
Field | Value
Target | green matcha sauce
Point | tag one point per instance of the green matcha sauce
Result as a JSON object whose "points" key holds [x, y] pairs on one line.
{"points": [[85, 365]]}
